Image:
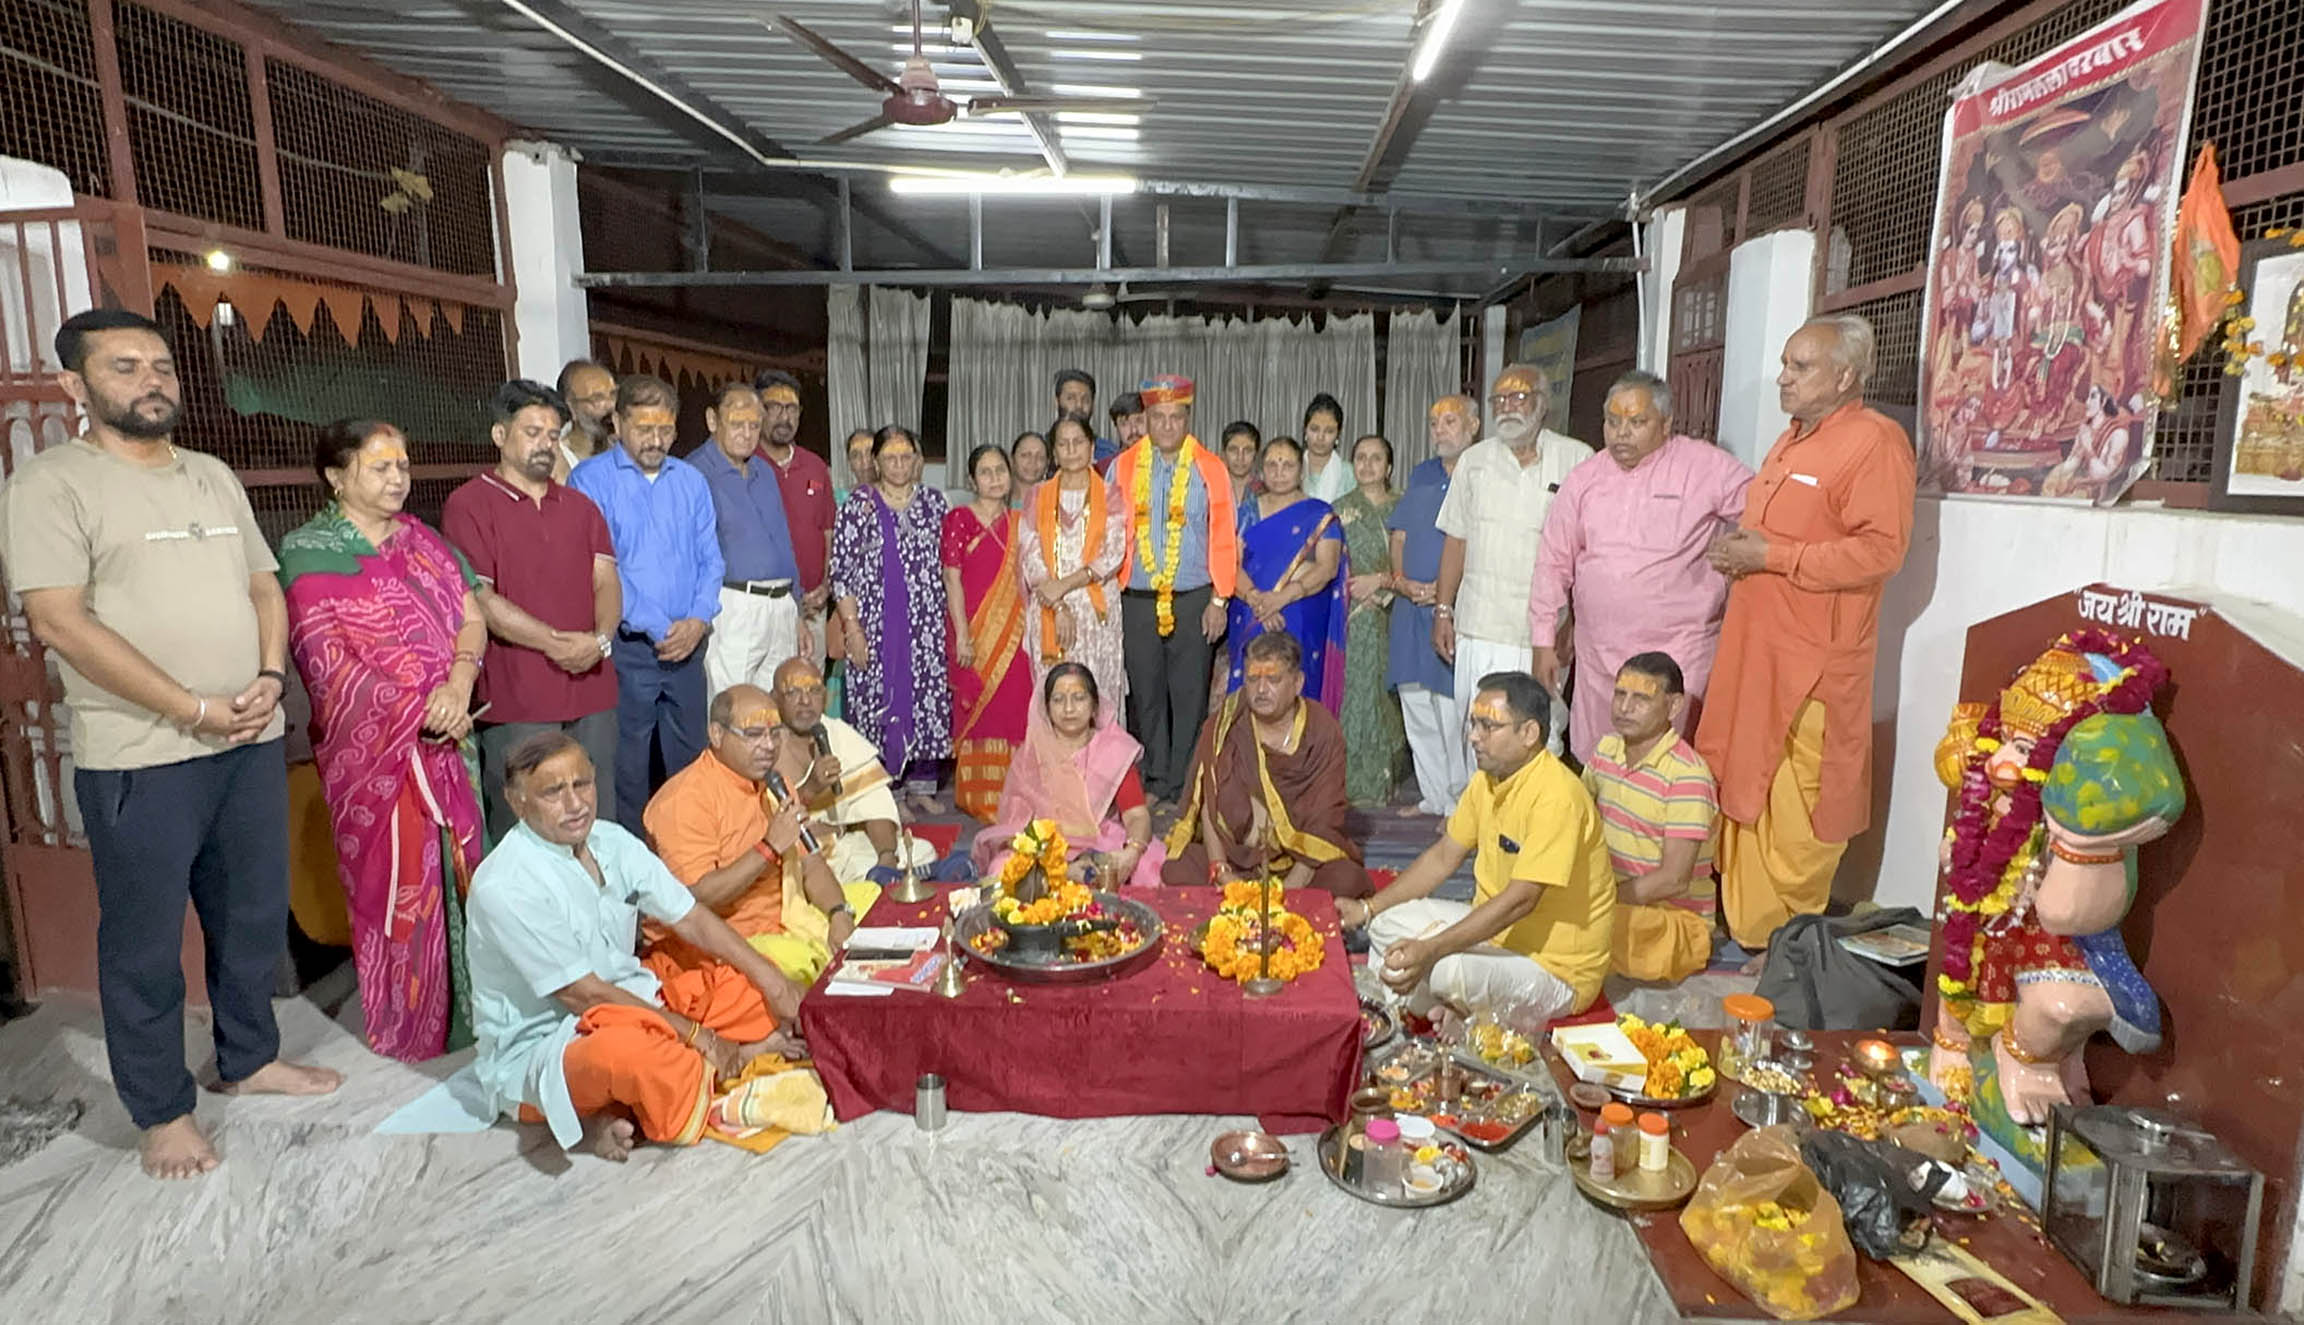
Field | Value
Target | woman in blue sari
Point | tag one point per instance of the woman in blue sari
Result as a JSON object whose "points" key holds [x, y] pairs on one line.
{"points": [[1290, 547]]}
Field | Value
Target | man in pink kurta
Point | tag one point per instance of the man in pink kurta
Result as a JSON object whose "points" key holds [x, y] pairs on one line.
{"points": [[1624, 545]]}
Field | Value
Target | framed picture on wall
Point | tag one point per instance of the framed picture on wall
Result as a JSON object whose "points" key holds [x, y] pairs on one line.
{"points": [[2260, 429]]}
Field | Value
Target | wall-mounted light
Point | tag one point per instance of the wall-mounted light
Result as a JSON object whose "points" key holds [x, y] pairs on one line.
{"points": [[219, 261]]}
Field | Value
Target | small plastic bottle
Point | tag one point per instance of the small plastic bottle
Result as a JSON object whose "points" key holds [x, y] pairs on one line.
{"points": [[1618, 1118], [1603, 1153], [1384, 1166], [1655, 1143]]}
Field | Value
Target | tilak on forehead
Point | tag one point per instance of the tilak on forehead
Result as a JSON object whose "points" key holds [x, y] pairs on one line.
{"points": [[755, 713], [1639, 683], [1492, 707], [1518, 379], [383, 446], [779, 394], [1266, 669]]}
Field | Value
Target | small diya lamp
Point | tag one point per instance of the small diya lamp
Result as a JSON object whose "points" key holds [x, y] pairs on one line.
{"points": [[1880, 1061]]}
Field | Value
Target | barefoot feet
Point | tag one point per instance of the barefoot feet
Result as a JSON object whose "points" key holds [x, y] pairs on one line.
{"points": [[610, 1136], [284, 1078], [176, 1149]]}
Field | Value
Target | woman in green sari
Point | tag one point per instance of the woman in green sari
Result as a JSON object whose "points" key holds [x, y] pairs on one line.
{"points": [[1374, 744]]}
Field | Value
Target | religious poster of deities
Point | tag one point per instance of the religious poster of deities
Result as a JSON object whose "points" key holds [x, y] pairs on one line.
{"points": [[1551, 346], [2048, 271]]}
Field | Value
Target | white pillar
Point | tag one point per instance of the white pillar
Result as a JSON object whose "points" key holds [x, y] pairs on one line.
{"points": [[1769, 280], [547, 250], [1494, 353], [1661, 245]]}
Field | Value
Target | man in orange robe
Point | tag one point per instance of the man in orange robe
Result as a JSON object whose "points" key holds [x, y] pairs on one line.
{"points": [[736, 845], [1787, 724]]}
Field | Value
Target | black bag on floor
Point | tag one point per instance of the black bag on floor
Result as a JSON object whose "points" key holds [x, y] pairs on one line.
{"points": [[1818, 985], [1883, 1213]]}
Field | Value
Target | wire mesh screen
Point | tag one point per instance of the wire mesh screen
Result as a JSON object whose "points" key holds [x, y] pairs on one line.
{"points": [[51, 109], [1895, 323], [1887, 159], [359, 174], [1711, 225], [256, 393], [281, 507], [2184, 441], [189, 122], [2250, 101], [1779, 193]]}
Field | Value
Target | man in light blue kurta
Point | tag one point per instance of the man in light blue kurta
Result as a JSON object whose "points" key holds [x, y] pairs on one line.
{"points": [[553, 924]]}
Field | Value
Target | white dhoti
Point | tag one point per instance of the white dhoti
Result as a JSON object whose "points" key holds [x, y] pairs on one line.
{"points": [[1483, 977], [1476, 658], [1435, 747], [752, 636]]}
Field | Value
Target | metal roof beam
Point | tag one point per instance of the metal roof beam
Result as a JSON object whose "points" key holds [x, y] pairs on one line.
{"points": [[725, 126], [1514, 269], [994, 54]]}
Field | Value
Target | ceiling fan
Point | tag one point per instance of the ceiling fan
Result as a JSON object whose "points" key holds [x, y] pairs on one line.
{"points": [[913, 96]]}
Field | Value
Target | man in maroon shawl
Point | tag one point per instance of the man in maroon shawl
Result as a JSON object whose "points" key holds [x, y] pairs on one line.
{"points": [[1267, 787]]}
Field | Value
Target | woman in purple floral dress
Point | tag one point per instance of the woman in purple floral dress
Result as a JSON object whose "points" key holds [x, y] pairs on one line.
{"points": [[889, 584]]}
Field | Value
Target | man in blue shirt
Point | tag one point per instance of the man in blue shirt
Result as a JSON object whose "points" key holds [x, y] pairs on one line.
{"points": [[759, 625], [1424, 680], [661, 522]]}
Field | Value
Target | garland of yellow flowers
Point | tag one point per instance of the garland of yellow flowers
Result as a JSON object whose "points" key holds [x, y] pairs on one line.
{"points": [[1164, 576], [1230, 948], [1039, 845]]}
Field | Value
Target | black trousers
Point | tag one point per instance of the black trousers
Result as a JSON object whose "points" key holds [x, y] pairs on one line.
{"points": [[1167, 685], [214, 830]]}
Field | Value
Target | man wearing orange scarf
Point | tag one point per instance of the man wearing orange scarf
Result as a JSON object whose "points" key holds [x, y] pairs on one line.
{"points": [[1787, 724], [1177, 577]]}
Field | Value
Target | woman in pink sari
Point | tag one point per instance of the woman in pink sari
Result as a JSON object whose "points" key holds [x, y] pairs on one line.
{"points": [[1078, 767], [991, 682], [385, 630]]}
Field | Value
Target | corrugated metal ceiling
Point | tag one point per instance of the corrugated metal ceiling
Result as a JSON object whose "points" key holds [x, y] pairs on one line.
{"points": [[1563, 105]]}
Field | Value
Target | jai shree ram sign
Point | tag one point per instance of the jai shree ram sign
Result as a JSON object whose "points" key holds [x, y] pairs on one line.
{"points": [[2048, 274]]}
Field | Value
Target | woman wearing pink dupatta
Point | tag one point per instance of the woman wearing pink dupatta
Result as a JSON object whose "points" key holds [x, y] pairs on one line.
{"points": [[384, 628], [1077, 767]]}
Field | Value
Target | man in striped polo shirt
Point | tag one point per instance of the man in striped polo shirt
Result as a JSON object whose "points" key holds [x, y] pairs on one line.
{"points": [[1657, 802]]}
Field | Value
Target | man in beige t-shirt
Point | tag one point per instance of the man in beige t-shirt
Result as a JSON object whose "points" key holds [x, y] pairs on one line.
{"points": [[142, 570]]}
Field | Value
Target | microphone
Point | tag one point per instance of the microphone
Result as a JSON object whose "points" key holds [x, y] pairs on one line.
{"points": [[782, 790]]}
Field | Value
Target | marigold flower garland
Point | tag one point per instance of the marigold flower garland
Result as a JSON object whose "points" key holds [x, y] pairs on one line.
{"points": [[1039, 845], [1230, 948], [1979, 880], [1179, 487]]}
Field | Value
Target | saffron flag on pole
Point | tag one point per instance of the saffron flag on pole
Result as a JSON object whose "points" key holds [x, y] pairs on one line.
{"points": [[2207, 257]]}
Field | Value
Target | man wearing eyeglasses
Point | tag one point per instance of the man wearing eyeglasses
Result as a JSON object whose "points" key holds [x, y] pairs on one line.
{"points": [[738, 847], [668, 561], [1494, 521]]}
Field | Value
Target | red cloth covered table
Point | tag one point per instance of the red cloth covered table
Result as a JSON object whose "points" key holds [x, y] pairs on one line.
{"points": [[1170, 1037]]}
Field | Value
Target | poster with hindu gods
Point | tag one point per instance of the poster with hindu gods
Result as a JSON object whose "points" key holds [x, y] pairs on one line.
{"points": [[2048, 267]]}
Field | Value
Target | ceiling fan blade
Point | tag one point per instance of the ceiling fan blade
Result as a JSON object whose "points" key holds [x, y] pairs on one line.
{"points": [[839, 59], [1056, 105], [874, 124]]}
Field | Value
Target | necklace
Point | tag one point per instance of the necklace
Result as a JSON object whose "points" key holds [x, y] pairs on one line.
{"points": [[1179, 485]]}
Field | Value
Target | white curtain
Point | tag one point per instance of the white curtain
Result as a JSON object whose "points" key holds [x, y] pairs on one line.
{"points": [[1423, 361], [1005, 359], [897, 338], [844, 375]]}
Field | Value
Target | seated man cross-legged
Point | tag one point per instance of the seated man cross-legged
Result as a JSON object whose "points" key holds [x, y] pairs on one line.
{"points": [[1657, 802], [839, 779], [573, 1030], [1537, 934], [1267, 786], [736, 844]]}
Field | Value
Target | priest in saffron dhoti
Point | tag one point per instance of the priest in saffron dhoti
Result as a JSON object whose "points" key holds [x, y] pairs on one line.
{"points": [[736, 843]]}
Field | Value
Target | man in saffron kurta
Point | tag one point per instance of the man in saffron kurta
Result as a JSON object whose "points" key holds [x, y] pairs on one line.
{"points": [[1787, 727], [736, 845], [574, 1032], [1624, 543], [1176, 579], [1267, 788]]}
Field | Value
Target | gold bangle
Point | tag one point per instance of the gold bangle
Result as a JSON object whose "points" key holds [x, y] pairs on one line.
{"points": [[2071, 857], [2016, 1051], [695, 1028], [1937, 1037]]}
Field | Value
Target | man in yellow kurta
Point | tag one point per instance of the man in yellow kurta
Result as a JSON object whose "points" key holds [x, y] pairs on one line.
{"points": [[1787, 724], [1536, 938]]}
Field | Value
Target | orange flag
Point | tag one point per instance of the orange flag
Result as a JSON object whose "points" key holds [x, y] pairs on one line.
{"points": [[2206, 256]]}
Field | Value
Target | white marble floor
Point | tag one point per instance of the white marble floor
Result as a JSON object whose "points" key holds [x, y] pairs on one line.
{"points": [[997, 1217]]}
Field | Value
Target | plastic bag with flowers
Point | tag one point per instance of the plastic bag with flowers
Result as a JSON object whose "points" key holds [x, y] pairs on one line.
{"points": [[1678, 1067], [1765, 1224]]}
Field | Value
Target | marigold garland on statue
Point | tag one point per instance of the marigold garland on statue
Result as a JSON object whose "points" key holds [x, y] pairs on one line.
{"points": [[1988, 867], [1039, 846], [1230, 948]]}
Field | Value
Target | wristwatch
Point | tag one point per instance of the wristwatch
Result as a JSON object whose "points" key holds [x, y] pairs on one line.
{"points": [[606, 648], [1220, 600], [843, 909]]}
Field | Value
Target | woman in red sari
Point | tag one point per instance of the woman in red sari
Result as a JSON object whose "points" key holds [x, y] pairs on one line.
{"points": [[991, 682], [385, 630]]}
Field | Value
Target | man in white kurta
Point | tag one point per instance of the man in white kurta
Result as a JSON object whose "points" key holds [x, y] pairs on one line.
{"points": [[1493, 519]]}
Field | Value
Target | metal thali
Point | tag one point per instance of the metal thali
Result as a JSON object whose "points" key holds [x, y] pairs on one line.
{"points": [[977, 920]]}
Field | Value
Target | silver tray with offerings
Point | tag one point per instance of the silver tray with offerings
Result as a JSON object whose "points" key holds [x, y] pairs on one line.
{"points": [[1487, 1107], [1113, 937]]}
